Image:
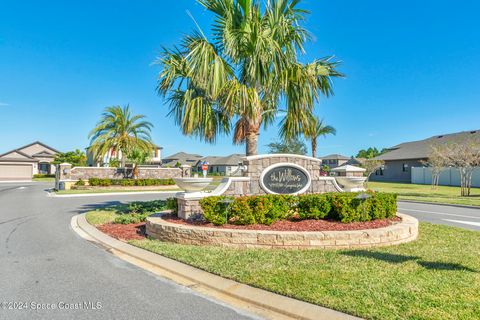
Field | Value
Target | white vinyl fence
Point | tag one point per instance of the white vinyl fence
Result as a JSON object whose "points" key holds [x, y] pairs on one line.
{"points": [[448, 176]]}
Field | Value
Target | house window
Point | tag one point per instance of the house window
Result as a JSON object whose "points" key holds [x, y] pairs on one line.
{"points": [[379, 172], [405, 167]]}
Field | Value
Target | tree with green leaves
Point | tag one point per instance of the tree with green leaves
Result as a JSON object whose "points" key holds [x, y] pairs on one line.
{"points": [[370, 153], [76, 158], [312, 131], [293, 146], [137, 157], [120, 132], [245, 74]]}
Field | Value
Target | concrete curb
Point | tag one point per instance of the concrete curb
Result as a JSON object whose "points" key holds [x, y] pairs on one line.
{"points": [[54, 195], [441, 204], [275, 305]]}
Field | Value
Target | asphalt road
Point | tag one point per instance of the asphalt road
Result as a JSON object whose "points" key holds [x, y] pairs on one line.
{"points": [[468, 218], [43, 261]]}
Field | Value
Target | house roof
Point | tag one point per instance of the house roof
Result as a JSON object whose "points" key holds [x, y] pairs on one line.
{"points": [[335, 156], [182, 158], [20, 155], [40, 143], [421, 149], [230, 160]]}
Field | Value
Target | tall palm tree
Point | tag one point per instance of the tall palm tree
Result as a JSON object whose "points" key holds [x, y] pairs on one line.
{"points": [[121, 132], [245, 73], [312, 131], [317, 129]]}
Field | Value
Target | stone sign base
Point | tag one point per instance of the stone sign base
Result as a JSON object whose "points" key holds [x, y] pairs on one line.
{"points": [[404, 231]]}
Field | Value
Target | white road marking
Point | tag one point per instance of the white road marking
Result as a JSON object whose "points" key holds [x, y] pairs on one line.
{"points": [[441, 213], [464, 222], [21, 188]]}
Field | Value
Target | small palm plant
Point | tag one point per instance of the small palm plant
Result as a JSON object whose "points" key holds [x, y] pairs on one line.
{"points": [[121, 132]]}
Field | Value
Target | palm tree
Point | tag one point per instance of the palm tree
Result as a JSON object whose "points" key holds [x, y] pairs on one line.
{"points": [[121, 132], [245, 74], [314, 129], [317, 129]]}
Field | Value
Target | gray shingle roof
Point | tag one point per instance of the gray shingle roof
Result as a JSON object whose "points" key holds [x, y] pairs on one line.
{"points": [[335, 156], [230, 160], [421, 149]]}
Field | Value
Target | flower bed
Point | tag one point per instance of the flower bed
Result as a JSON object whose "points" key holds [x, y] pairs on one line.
{"points": [[129, 182], [267, 209]]}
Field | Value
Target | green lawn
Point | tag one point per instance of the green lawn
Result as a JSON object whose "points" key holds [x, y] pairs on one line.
{"points": [[47, 179], [435, 277], [420, 192], [111, 191]]}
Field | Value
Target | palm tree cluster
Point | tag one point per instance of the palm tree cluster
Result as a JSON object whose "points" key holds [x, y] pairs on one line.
{"points": [[121, 132], [246, 74]]}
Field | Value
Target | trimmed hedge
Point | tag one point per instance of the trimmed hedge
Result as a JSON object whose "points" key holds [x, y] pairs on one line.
{"points": [[42, 175], [267, 209], [94, 182]]}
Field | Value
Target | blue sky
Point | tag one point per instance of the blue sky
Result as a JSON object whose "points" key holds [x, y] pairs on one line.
{"points": [[412, 69]]}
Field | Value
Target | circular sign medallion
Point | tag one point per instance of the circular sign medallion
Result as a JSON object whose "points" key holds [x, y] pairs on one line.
{"points": [[285, 178]]}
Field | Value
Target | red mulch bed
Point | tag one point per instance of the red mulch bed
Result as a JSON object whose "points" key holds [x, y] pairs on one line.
{"points": [[134, 231], [302, 225]]}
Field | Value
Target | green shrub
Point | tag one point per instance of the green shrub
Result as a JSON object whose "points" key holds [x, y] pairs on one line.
{"points": [[314, 206], [267, 209], [129, 182], [41, 175], [214, 210], [138, 211], [80, 183], [172, 204]]}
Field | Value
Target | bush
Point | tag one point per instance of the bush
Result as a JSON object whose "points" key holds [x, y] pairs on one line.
{"points": [[172, 204], [313, 206], [41, 175], [138, 211], [80, 183], [267, 209], [95, 182]]}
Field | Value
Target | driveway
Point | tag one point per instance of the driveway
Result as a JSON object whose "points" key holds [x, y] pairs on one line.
{"points": [[44, 262], [468, 218]]}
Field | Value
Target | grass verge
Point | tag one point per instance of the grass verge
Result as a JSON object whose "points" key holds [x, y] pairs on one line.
{"points": [[87, 191], [435, 277], [48, 179], [425, 193]]}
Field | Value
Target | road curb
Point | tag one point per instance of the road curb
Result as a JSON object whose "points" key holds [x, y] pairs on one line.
{"points": [[258, 298], [441, 204]]}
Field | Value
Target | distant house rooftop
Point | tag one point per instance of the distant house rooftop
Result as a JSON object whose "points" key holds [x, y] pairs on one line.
{"points": [[335, 156], [230, 160], [421, 149], [182, 158]]}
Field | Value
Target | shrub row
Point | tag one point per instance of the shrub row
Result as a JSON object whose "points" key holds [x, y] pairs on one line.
{"points": [[129, 182], [267, 209], [41, 175]]}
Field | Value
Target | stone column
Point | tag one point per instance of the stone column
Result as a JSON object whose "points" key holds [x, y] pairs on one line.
{"points": [[62, 174]]}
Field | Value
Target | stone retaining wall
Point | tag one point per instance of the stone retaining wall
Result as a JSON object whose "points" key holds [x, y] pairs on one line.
{"points": [[404, 231], [86, 173]]}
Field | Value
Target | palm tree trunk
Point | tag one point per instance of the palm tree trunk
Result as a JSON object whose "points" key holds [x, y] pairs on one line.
{"points": [[251, 143], [251, 139], [314, 147]]}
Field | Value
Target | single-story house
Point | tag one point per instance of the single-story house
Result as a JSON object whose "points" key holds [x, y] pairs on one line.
{"points": [[180, 158], [338, 160], [401, 158], [225, 166], [22, 163]]}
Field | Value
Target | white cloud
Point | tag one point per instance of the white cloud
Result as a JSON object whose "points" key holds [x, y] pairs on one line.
{"points": [[3, 104]]}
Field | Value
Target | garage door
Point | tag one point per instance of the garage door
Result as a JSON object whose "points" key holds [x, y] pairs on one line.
{"points": [[15, 172]]}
